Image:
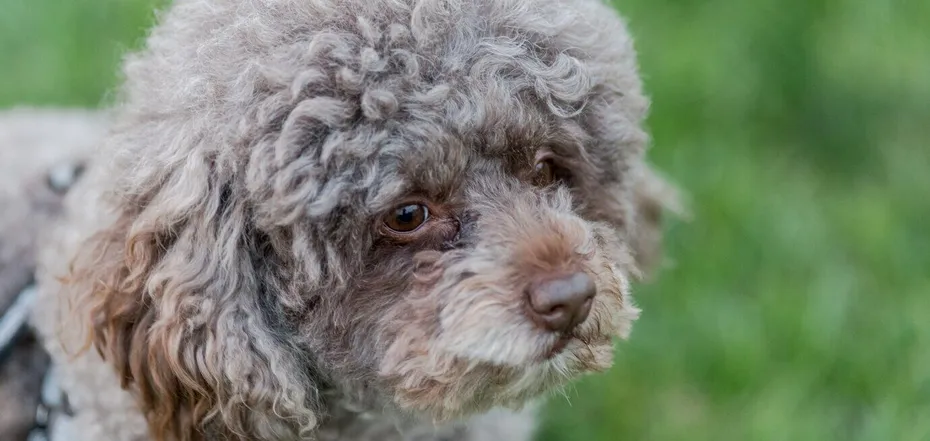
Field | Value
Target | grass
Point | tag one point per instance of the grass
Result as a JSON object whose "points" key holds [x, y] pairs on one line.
{"points": [[795, 305]]}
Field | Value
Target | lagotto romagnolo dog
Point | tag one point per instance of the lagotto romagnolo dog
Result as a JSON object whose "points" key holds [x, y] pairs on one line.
{"points": [[353, 220]]}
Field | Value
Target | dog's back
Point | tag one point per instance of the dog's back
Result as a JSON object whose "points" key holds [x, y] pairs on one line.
{"points": [[41, 154]]}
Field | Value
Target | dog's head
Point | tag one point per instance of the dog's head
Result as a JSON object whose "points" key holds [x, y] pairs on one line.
{"points": [[434, 205]]}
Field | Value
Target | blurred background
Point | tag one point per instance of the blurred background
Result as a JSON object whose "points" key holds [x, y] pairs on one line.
{"points": [[795, 305]]}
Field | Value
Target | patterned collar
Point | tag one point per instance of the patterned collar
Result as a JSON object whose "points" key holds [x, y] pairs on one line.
{"points": [[53, 404], [14, 320]]}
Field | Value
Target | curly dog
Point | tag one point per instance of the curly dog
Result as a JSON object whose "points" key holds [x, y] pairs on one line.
{"points": [[353, 220]]}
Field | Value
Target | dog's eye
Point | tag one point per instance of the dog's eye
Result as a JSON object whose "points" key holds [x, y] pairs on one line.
{"points": [[407, 218], [544, 173]]}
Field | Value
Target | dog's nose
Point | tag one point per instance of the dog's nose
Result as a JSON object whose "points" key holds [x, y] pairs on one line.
{"points": [[562, 303]]}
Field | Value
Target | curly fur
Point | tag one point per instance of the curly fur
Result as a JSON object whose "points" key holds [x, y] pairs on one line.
{"points": [[223, 252]]}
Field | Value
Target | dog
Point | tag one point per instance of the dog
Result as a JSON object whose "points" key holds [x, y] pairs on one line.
{"points": [[353, 220]]}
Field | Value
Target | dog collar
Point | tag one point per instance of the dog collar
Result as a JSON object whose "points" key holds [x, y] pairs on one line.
{"points": [[52, 404], [14, 320]]}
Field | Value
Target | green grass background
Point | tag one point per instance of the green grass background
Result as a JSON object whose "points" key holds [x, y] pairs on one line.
{"points": [[796, 303]]}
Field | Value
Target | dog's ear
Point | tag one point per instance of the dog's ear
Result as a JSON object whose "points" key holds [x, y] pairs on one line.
{"points": [[653, 197], [175, 302]]}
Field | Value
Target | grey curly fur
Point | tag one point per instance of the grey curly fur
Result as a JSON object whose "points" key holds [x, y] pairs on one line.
{"points": [[224, 251]]}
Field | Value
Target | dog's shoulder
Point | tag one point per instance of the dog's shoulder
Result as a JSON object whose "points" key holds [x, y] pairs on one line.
{"points": [[42, 152]]}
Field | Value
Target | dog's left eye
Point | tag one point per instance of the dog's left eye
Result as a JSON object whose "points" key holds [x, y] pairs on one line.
{"points": [[407, 218]]}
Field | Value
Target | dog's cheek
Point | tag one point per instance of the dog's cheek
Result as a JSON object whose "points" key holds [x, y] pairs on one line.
{"points": [[418, 370], [419, 378], [407, 363], [483, 320], [614, 311]]}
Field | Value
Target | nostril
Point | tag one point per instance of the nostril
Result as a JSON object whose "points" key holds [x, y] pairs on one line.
{"points": [[562, 303]]}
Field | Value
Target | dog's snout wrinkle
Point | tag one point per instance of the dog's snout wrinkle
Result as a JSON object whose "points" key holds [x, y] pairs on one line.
{"points": [[560, 304], [466, 229]]}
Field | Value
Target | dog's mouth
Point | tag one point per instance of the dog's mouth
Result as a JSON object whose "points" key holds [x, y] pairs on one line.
{"points": [[571, 345], [559, 346]]}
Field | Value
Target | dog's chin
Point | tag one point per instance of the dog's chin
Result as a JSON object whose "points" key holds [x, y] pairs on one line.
{"points": [[573, 357], [463, 387], [571, 347]]}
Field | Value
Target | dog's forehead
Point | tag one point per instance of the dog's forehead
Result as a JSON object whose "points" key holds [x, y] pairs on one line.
{"points": [[436, 157], [382, 112]]}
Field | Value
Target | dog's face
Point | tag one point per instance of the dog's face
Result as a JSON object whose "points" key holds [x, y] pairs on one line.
{"points": [[506, 290], [474, 270], [434, 205]]}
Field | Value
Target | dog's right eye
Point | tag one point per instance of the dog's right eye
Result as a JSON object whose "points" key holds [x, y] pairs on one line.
{"points": [[407, 218], [544, 173]]}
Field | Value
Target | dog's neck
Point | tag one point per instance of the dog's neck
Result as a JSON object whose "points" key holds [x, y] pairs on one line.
{"points": [[345, 421]]}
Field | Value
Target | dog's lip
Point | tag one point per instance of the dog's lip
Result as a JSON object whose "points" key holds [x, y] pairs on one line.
{"points": [[559, 346]]}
